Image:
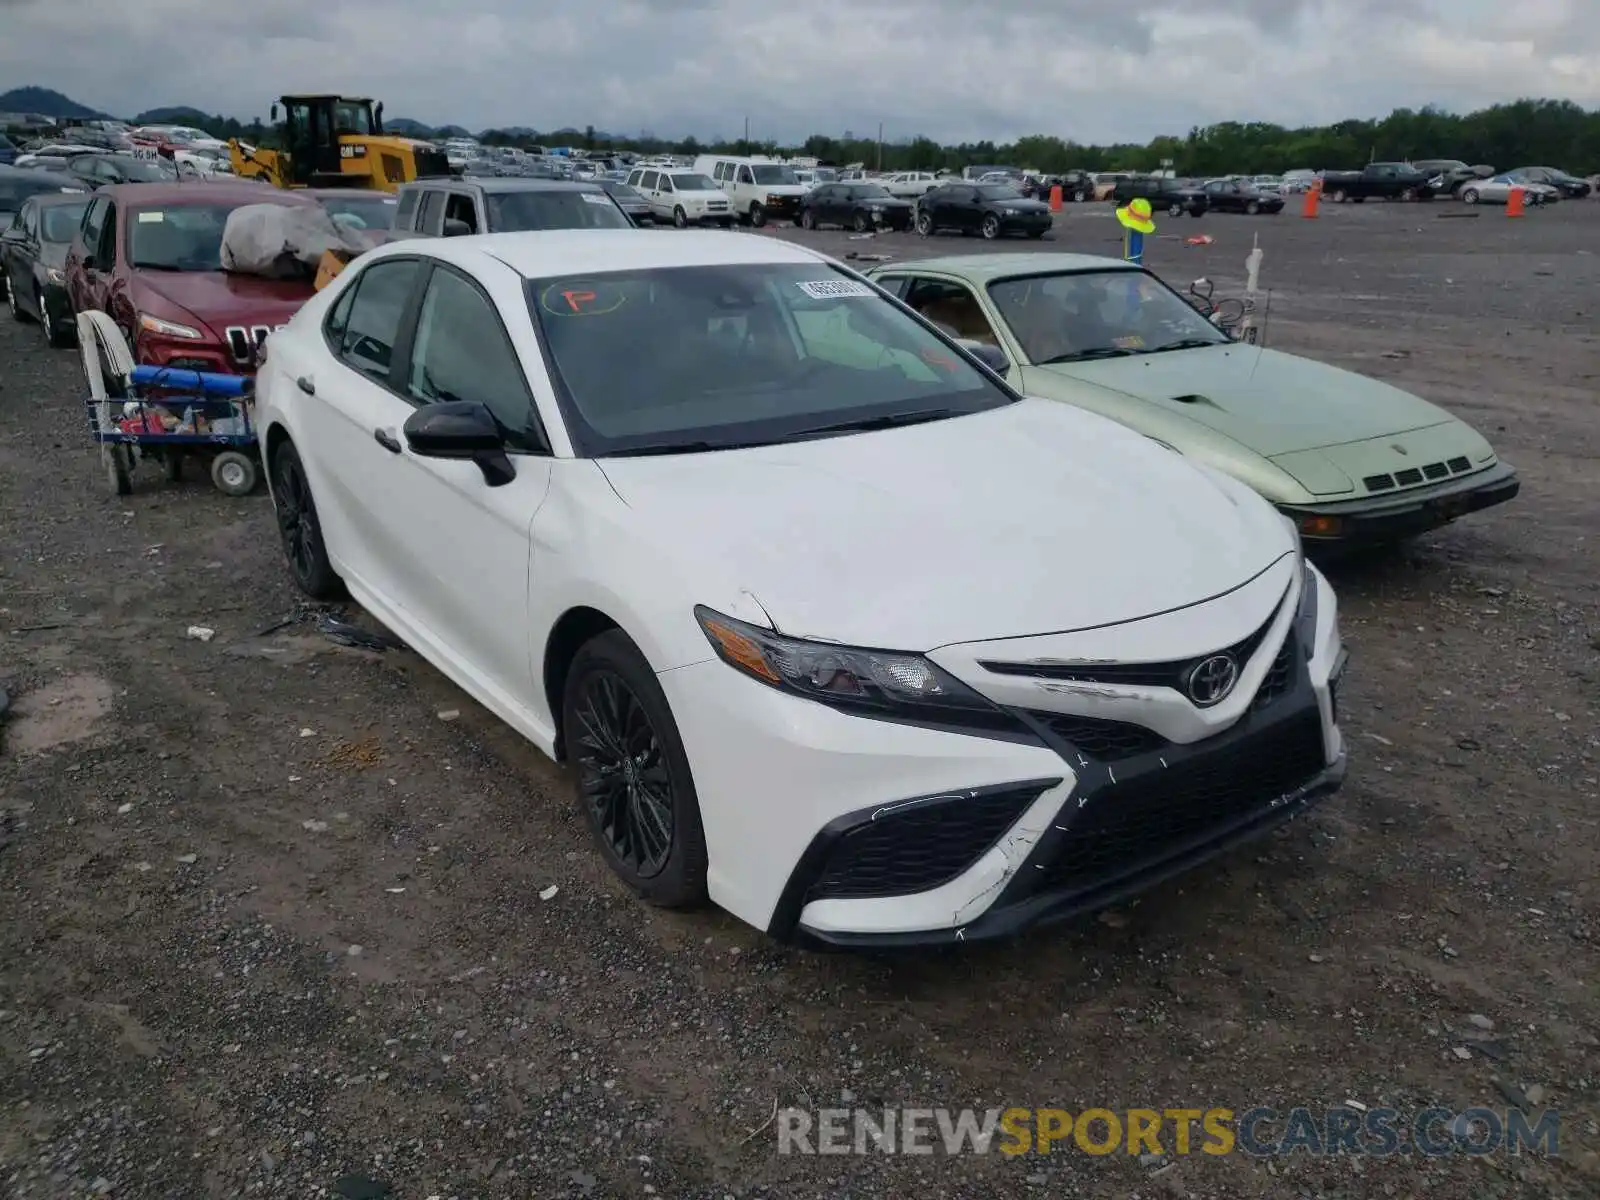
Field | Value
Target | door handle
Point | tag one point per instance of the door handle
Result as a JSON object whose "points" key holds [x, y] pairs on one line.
{"points": [[387, 440], [305, 385]]}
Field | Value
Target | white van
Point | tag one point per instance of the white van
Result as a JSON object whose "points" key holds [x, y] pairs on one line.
{"points": [[761, 188], [682, 197]]}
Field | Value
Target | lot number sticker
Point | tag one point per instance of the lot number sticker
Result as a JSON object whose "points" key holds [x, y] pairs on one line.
{"points": [[832, 289], [595, 198]]}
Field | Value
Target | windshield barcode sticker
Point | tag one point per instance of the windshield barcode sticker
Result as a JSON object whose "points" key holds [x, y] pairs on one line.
{"points": [[830, 289], [149, 217], [595, 198]]}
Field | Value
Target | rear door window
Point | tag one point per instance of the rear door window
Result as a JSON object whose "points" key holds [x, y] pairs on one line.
{"points": [[371, 328]]}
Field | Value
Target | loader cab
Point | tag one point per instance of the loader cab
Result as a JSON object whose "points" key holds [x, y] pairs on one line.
{"points": [[314, 131]]}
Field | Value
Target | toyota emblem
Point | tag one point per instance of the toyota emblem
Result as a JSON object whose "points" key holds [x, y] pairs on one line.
{"points": [[1212, 679]]}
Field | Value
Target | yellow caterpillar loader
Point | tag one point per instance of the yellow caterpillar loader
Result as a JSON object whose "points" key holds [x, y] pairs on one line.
{"points": [[337, 141]]}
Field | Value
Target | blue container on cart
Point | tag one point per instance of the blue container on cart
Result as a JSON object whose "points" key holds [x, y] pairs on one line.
{"points": [[215, 420]]}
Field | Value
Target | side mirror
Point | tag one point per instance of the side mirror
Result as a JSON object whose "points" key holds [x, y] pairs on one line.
{"points": [[990, 356], [461, 430], [274, 112], [455, 227]]}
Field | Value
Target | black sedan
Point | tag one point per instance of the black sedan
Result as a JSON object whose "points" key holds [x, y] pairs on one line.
{"points": [[989, 209], [859, 206], [1172, 196], [33, 259], [102, 170], [1232, 195], [629, 201]]}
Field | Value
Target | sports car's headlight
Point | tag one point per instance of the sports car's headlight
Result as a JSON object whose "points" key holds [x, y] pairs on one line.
{"points": [[167, 328], [879, 683]]}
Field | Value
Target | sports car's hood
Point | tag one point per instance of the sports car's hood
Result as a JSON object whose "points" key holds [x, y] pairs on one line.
{"points": [[219, 299], [1273, 403], [1033, 518]]}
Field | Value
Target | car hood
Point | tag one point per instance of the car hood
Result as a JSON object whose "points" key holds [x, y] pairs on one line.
{"points": [[219, 299], [1270, 402], [1033, 518]]}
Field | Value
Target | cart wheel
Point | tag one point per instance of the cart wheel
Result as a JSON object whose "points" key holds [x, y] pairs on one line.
{"points": [[172, 465], [234, 473], [118, 460]]}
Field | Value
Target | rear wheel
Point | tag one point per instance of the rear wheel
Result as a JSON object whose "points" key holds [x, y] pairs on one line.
{"points": [[55, 336], [633, 777], [117, 458], [1338, 196], [234, 473], [1175, 209], [1253, 207], [861, 223], [808, 219], [13, 304], [299, 528]]}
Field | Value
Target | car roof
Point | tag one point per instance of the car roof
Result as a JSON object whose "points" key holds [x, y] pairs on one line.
{"points": [[208, 192], [512, 183], [986, 268], [52, 199], [542, 253]]}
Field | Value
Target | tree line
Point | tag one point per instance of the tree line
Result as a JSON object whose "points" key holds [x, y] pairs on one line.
{"points": [[1556, 133]]}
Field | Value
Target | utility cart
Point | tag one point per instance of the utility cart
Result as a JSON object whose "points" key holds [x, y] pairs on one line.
{"points": [[166, 415]]}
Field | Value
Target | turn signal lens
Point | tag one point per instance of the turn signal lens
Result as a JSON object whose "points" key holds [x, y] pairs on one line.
{"points": [[166, 328], [1323, 527]]}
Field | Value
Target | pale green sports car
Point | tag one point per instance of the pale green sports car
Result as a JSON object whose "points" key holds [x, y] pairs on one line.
{"points": [[1353, 461]]}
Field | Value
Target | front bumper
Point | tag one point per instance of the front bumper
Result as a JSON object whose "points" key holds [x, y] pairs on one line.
{"points": [[829, 830], [1374, 520]]}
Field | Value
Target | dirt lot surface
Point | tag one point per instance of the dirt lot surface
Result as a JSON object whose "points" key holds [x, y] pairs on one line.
{"points": [[270, 925]]}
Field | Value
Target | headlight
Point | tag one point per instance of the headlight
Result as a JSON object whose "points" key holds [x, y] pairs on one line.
{"points": [[167, 328], [877, 683]]}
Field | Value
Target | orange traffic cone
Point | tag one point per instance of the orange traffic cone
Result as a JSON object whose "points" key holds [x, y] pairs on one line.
{"points": [[1055, 197], [1313, 196], [1514, 202]]}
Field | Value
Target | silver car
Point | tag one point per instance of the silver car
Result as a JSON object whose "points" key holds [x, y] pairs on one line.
{"points": [[1497, 190]]}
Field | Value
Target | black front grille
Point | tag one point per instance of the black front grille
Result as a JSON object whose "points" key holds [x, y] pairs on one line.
{"points": [[1158, 814], [1108, 741], [1152, 674], [1280, 676], [1408, 477], [919, 846], [1413, 475]]}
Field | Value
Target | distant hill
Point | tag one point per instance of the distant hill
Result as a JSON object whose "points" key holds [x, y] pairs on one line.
{"points": [[406, 127], [180, 114], [46, 103]]}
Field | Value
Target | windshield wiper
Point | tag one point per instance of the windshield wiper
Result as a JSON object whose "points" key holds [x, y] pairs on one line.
{"points": [[1084, 355], [1190, 344], [686, 448], [888, 421], [153, 266]]}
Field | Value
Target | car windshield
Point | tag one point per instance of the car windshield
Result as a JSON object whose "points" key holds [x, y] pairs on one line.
{"points": [[772, 175], [554, 208], [146, 170], [1096, 314], [999, 191], [622, 192], [178, 237], [826, 175], [696, 358], [60, 221], [357, 211], [693, 183], [870, 191]]}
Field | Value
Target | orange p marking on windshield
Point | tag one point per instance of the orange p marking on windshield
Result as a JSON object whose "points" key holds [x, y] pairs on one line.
{"points": [[576, 300]]}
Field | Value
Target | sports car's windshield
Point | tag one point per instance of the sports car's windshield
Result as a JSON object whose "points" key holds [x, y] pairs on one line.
{"points": [[1098, 314], [715, 357]]}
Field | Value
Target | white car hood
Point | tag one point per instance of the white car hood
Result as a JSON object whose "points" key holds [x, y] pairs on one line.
{"points": [[1033, 518]]}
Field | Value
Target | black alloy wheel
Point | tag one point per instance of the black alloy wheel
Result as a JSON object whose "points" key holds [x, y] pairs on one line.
{"points": [[991, 227], [299, 528], [633, 776]]}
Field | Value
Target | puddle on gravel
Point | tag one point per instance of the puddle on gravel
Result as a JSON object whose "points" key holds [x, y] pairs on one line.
{"points": [[59, 714]]}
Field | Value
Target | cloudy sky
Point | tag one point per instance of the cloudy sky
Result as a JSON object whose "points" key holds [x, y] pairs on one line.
{"points": [[1091, 70]]}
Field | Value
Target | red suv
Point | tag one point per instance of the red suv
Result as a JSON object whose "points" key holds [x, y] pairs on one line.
{"points": [[149, 254]]}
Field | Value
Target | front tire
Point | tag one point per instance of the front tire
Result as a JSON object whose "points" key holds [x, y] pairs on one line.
{"points": [[680, 218], [234, 473], [1252, 208], [634, 783], [1469, 195], [758, 215], [808, 219], [861, 223], [14, 304], [299, 528], [924, 224], [990, 227]]}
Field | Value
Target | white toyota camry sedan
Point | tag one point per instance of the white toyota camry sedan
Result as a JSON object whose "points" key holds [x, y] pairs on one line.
{"points": [[834, 628]]}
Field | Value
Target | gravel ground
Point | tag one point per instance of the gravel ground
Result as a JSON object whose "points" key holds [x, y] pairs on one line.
{"points": [[272, 918]]}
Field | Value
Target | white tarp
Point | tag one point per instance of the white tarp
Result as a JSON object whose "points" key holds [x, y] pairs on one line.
{"points": [[282, 241]]}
